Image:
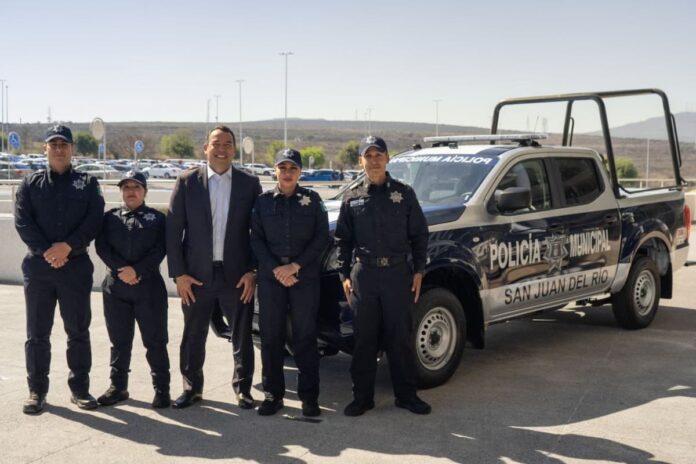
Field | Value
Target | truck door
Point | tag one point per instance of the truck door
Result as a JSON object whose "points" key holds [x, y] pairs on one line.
{"points": [[518, 252], [592, 218]]}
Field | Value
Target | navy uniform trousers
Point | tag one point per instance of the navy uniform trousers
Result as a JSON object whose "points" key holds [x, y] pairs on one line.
{"points": [[70, 287], [196, 323], [300, 302], [146, 303], [383, 304]]}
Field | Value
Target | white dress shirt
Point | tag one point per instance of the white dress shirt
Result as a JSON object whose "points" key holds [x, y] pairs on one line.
{"points": [[219, 189]]}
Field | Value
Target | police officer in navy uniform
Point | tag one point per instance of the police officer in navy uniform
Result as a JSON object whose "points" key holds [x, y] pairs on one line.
{"points": [[132, 246], [381, 224], [289, 233], [58, 213]]}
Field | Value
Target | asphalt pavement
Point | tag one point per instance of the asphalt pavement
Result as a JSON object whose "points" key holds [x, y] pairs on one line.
{"points": [[564, 387]]}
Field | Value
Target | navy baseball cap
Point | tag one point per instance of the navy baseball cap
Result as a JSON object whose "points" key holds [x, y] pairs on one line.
{"points": [[289, 154], [372, 142], [135, 176], [59, 131]]}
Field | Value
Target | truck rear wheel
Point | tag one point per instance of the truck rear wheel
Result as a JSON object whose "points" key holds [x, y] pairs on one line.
{"points": [[636, 304], [440, 332]]}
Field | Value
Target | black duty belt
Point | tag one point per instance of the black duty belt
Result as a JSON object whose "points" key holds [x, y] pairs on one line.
{"points": [[381, 261], [73, 253]]}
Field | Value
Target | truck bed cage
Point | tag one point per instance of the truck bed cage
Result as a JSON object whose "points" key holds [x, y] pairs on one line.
{"points": [[598, 98]]}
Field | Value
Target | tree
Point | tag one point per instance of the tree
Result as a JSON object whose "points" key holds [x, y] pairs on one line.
{"points": [[317, 153], [177, 145], [348, 154], [625, 169], [85, 144], [273, 148]]}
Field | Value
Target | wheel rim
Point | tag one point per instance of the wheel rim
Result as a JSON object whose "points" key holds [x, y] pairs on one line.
{"points": [[644, 293], [436, 338]]}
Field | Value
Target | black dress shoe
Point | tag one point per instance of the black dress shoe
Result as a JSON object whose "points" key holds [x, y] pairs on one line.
{"points": [[310, 409], [84, 401], [358, 407], [245, 401], [161, 399], [187, 399], [415, 405], [34, 404], [270, 406], [112, 396]]}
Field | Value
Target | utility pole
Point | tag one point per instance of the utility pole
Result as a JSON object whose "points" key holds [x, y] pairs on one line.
{"points": [[241, 137], [2, 113], [285, 119], [217, 108], [437, 116]]}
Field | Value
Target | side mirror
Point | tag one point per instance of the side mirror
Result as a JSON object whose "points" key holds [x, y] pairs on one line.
{"points": [[513, 199]]}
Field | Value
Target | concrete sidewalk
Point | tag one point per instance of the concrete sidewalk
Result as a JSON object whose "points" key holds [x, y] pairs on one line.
{"points": [[566, 387]]}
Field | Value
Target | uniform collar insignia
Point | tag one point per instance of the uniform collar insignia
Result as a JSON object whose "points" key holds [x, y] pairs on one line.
{"points": [[149, 216], [396, 197], [305, 200], [79, 184]]}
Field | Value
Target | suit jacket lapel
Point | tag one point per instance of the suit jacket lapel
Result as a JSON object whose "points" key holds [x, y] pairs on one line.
{"points": [[203, 178]]}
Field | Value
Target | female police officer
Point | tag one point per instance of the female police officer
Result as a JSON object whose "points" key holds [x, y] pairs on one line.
{"points": [[131, 244], [289, 231]]}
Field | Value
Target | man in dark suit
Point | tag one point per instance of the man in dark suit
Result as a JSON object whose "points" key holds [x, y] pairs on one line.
{"points": [[210, 258]]}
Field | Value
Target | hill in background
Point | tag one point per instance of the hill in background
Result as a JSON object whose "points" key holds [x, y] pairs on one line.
{"points": [[629, 140]]}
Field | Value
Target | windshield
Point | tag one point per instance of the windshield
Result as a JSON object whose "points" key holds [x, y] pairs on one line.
{"points": [[440, 179]]}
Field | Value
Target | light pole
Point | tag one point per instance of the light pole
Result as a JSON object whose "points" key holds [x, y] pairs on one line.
{"points": [[368, 120], [207, 118], [437, 116], [241, 138], [2, 113], [285, 120], [217, 108]]}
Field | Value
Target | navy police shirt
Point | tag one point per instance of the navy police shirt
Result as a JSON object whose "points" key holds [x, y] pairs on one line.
{"points": [[52, 207], [379, 221]]}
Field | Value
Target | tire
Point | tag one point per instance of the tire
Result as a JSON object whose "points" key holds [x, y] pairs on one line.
{"points": [[636, 304], [439, 336], [167, 175]]}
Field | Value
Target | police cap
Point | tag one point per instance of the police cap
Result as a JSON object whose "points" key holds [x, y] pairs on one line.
{"points": [[59, 131], [135, 176], [289, 154], [372, 142]]}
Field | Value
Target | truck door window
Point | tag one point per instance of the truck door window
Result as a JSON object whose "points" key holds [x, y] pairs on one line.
{"points": [[579, 179], [530, 174]]}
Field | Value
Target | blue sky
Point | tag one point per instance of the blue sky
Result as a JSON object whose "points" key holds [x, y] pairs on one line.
{"points": [[162, 60]]}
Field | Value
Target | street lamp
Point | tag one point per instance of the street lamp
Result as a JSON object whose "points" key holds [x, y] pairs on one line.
{"points": [[241, 138], [437, 116], [2, 113], [285, 120], [217, 108]]}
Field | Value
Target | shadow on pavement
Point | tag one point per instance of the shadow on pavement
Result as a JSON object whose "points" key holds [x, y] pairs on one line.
{"points": [[556, 370]]}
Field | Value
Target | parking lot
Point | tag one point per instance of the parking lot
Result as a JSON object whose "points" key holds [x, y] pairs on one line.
{"points": [[563, 387]]}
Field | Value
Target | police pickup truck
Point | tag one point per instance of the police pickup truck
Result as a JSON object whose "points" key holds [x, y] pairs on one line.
{"points": [[517, 227]]}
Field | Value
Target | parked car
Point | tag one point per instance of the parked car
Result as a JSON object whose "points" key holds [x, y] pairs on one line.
{"points": [[319, 175], [352, 174], [259, 169], [14, 170], [100, 171], [163, 170]]}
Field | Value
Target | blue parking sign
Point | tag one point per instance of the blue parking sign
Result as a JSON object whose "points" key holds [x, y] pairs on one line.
{"points": [[139, 146], [15, 141]]}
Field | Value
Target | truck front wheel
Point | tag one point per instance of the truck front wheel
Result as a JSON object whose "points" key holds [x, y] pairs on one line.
{"points": [[440, 332], [636, 304]]}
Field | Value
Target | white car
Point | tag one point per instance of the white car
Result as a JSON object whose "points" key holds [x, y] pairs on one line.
{"points": [[259, 169], [100, 171], [165, 170]]}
